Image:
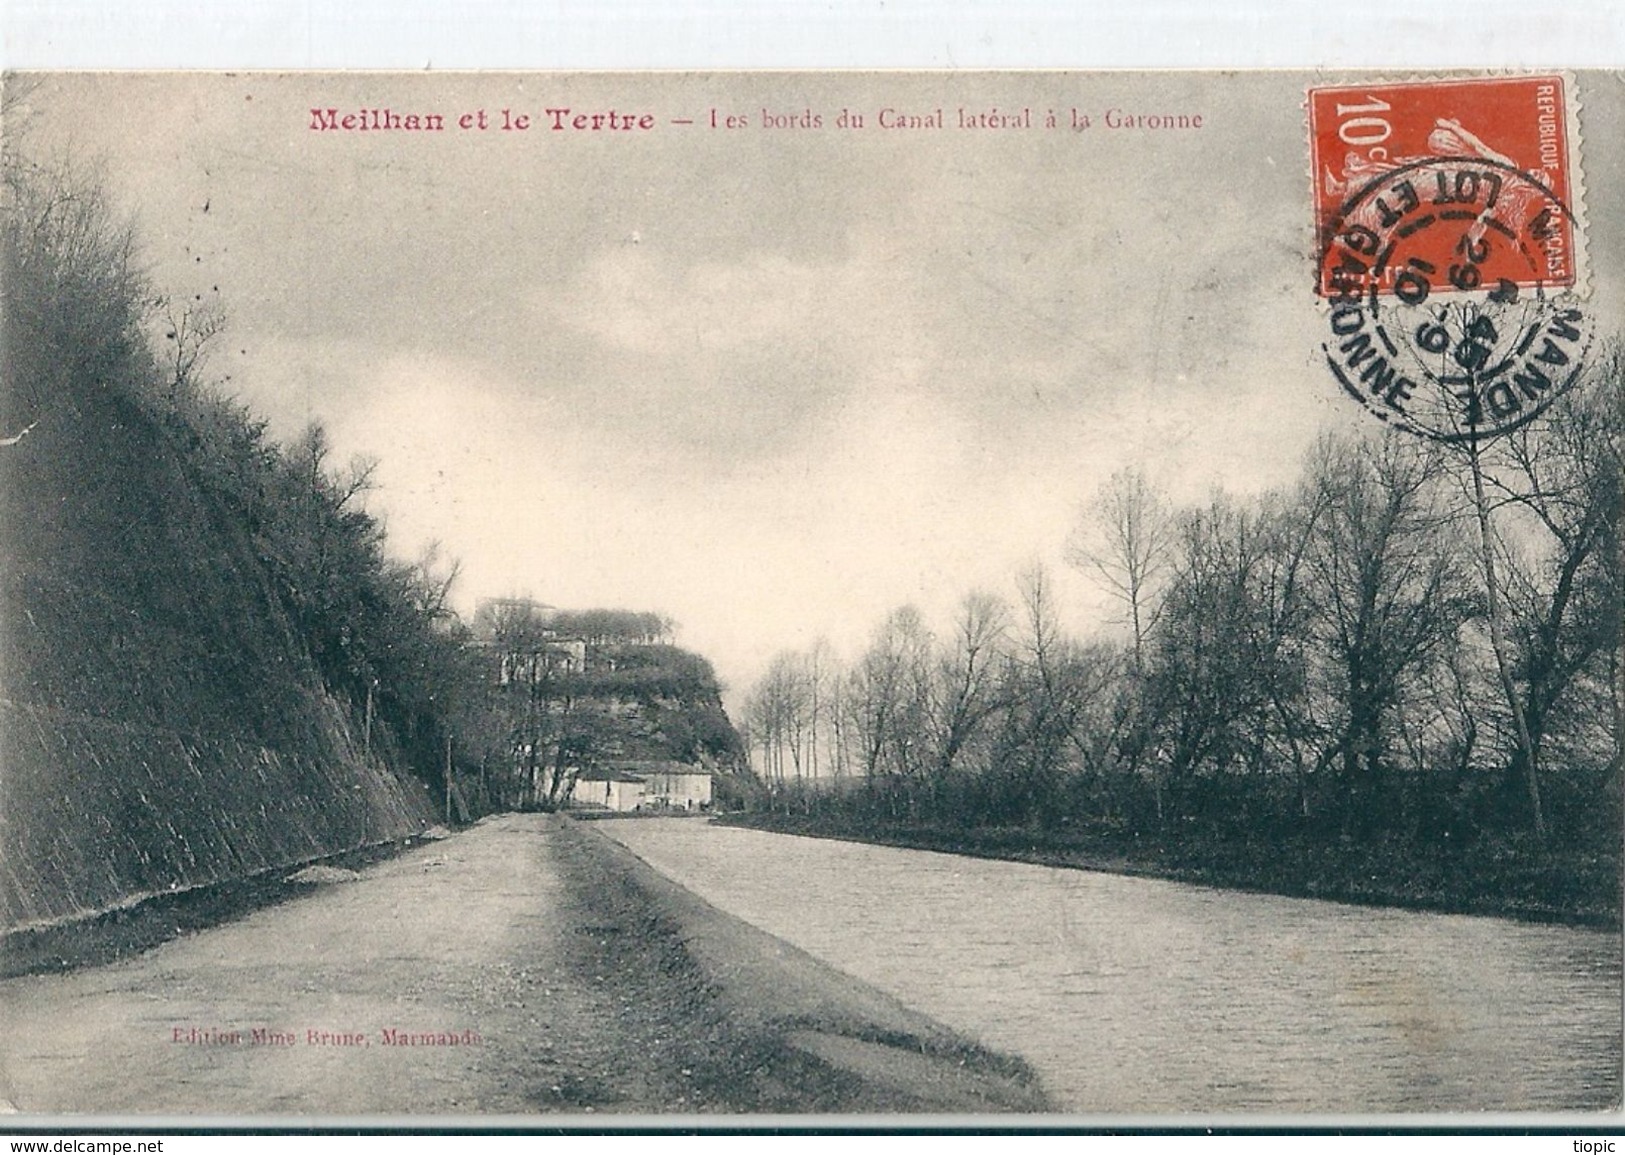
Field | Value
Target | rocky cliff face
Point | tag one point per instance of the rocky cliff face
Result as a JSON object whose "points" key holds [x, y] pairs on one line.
{"points": [[663, 702]]}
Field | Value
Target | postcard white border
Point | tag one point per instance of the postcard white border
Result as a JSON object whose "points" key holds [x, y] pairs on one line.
{"points": [[833, 34]]}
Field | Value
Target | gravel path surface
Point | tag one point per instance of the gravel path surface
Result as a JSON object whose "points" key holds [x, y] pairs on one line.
{"points": [[525, 965]]}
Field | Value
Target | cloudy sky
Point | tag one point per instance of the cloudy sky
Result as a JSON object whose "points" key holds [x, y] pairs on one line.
{"points": [[770, 381]]}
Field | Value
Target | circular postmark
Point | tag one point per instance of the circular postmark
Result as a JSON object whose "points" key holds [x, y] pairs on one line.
{"points": [[1449, 300]]}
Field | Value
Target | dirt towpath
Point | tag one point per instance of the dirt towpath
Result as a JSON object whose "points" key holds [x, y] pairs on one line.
{"points": [[525, 965]]}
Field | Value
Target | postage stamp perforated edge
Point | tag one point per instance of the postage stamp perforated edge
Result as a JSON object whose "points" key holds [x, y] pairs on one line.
{"points": [[1573, 104]]}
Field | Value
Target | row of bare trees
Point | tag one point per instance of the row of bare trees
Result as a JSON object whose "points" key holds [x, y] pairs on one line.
{"points": [[1415, 639]]}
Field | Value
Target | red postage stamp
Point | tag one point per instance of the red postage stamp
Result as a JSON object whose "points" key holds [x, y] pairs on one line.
{"points": [[1450, 254], [1493, 156]]}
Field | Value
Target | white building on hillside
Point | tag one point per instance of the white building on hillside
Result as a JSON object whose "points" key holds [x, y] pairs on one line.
{"points": [[612, 789], [644, 785]]}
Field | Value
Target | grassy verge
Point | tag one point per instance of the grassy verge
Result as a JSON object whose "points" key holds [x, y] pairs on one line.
{"points": [[1510, 880], [727, 1018]]}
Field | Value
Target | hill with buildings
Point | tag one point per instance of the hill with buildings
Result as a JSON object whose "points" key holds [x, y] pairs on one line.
{"points": [[576, 692]]}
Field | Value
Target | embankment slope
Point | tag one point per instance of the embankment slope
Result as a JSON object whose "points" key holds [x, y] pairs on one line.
{"points": [[162, 726]]}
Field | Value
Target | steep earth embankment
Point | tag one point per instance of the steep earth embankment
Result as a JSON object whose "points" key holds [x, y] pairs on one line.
{"points": [[161, 724]]}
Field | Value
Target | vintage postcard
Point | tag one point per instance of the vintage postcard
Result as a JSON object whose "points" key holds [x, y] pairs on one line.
{"points": [[530, 597]]}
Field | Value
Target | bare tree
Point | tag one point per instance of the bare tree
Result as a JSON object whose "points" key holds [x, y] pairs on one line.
{"points": [[516, 639], [1554, 605], [1044, 689], [72, 281], [1226, 672], [190, 329], [430, 580], [1391, 592], [779, 713], [1124, 537], [966, 680], [887, 695], [819, 671]]}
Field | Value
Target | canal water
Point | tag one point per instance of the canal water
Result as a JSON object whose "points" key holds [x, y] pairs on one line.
{"points": [[1138, 996]]}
